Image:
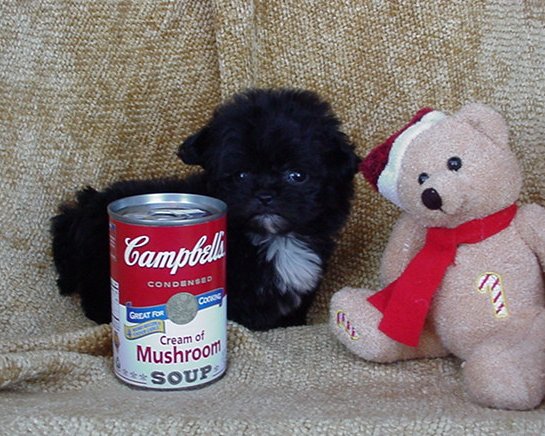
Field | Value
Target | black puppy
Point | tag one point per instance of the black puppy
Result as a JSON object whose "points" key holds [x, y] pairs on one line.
{"points": [[281, 163]]}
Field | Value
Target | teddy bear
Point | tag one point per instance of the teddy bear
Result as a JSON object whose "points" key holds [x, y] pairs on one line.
{"points": [[463, 267]]}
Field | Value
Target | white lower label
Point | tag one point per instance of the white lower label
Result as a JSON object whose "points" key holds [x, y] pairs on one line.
{"points": [[153, 351]]}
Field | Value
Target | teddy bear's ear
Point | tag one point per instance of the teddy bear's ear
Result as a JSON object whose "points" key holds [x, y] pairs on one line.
{"points": [[486, 120]]}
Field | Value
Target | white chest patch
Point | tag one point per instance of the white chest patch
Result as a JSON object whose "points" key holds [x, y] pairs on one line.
{"points": [[298, 268]]}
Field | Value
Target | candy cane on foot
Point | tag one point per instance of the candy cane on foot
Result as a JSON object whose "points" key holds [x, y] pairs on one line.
{"points": [[492, 284], [346, 325]]}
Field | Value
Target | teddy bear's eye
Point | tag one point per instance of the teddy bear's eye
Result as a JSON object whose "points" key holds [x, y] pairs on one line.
{"points": [[454, 163], [422, 178]]}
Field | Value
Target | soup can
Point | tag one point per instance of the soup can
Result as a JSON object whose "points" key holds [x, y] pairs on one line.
{"points": [[169, 302]]}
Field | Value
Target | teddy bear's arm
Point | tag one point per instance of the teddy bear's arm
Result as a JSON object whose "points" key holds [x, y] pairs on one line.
{"points": [[530, 223], [406, 238]]}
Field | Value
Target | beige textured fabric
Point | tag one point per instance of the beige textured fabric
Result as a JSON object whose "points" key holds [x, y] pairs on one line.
{"points": [[92, 92]]}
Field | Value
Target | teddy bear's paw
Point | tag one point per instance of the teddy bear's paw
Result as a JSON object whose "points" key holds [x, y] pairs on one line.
{"points": [[501, 381], [354, 322]]}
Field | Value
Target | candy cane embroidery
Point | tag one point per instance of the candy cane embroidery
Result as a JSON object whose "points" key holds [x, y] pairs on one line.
{"points": [[491, 283], [346, 325]]}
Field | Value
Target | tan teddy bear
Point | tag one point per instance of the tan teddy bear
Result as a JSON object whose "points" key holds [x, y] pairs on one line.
{"points": [[464, 264]]}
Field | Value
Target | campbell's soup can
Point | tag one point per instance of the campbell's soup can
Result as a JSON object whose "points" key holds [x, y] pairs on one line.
{"points": [[169, 302]]}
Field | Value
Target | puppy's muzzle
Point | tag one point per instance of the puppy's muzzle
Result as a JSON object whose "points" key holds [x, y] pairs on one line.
{"points": [[265, 198], [270, 223]]}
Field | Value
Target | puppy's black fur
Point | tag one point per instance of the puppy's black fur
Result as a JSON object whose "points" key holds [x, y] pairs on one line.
{"points": [[280, 161]]}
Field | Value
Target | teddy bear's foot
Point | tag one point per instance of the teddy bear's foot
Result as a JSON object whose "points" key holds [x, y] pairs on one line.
{"points": [[354, 322], [509, 373], [502, 383]]}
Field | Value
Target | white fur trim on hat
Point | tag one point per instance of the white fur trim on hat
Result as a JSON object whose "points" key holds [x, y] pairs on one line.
{"points": [[389, 177]]}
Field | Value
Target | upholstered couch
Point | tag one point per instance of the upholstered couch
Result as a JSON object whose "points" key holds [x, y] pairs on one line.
{"points": [[92, 92]]}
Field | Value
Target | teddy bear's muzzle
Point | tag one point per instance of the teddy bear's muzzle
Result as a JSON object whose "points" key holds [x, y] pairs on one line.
{"points": [[431, 199]]}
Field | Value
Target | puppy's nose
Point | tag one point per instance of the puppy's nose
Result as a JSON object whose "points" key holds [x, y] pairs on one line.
{"points": [[265, 198], [431, 199]]}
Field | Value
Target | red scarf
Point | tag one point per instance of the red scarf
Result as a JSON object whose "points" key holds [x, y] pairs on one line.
{"points": [[406, 301]]}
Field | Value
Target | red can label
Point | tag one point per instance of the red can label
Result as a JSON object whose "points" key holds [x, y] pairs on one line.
{"points": [[169, 303]]}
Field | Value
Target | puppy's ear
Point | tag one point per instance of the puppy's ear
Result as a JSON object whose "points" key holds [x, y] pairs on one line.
{"points": [[192, 149], [341, 158]]}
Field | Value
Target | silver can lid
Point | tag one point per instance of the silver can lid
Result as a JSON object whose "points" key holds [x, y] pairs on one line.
{"points": [[167, 209]]}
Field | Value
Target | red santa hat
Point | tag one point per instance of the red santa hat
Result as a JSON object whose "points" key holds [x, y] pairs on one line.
{"points": [[381, 167]]}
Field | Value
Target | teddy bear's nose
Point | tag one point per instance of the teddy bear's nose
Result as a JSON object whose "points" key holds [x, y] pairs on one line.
{"points": [[432, 199]]}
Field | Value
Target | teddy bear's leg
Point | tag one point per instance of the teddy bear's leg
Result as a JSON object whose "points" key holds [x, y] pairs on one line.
{"points": [[354, 322], [507, 371]]}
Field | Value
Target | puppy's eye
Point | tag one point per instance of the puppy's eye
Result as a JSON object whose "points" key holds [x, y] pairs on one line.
{"points": [[422, 178], [241, 176], [454, 163], [295, 176]]}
